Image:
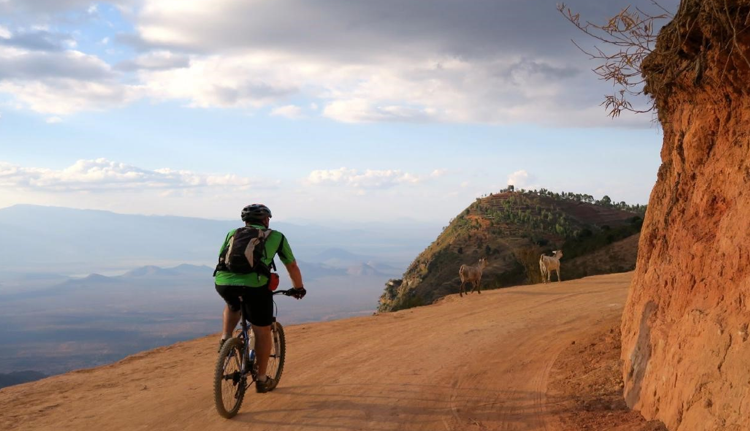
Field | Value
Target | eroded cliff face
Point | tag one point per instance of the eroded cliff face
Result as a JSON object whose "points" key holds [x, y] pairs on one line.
{"points": [[686, 350]]}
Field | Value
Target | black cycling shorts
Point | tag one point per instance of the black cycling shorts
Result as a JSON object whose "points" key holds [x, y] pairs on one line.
{"points": [[258, 302]]}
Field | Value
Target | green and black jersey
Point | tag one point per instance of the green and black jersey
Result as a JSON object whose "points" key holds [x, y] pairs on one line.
{"points": [[275, 243]]}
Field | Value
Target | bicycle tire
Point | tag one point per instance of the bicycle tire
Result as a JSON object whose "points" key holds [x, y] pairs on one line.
{"points": [[278, 354], [232, 352]]}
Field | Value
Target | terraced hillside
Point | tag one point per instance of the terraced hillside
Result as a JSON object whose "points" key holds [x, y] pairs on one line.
{"points": [[511, 230]]}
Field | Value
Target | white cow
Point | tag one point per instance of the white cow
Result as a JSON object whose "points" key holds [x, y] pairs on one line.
{"points": [[472, 274], [547, 264]]}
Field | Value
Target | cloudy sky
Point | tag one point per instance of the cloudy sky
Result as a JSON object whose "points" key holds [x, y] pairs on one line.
{"points": [[352, 110]]}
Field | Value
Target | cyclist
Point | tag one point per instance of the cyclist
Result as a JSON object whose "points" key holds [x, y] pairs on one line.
{"points": [[254, 288]]}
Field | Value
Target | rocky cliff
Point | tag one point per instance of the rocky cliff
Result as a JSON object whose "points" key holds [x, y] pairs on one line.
{"points": [[685, 327]]}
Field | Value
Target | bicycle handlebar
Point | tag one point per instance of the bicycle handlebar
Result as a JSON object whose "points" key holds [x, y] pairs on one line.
{"points": [[287, 292]]}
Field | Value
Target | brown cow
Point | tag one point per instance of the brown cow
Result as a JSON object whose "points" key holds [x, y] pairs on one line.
{"points": [[472, 274]]}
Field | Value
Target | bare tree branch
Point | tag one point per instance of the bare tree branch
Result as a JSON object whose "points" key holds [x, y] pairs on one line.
{"points": [[632, 33]]}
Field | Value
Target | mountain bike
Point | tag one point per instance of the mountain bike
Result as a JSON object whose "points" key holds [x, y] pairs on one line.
{"points": [[236, 368]]}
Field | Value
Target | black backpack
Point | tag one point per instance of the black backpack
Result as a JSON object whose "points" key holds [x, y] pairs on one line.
{"points": [[245, 251]]}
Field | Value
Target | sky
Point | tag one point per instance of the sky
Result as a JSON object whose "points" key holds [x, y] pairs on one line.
{"points": [[325, 110]]}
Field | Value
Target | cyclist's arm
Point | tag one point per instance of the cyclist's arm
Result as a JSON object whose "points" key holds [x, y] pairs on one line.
{"points": [[287, 258], [295, 274]]}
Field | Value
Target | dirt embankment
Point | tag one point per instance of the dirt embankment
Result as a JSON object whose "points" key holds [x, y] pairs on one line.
{"points": [[586, 385], [685, 327], [481, 362]]}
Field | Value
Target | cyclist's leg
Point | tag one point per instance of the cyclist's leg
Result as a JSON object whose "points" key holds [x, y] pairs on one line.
{"points": [[231, 319], [263, 344], [260, 303], [231, 295]]}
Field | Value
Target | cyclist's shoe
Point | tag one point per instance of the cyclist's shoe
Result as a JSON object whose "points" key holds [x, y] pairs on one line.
{"points": [[263, 387], [221, 344]]}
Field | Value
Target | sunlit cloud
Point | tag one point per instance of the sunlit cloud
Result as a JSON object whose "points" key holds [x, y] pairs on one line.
{"points": [[157, 60], [522, 179], [502, 62], [102, 175], [288, 111], [367, 179]]}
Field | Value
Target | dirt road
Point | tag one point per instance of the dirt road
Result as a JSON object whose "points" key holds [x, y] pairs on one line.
{"points": [[475, 363]]}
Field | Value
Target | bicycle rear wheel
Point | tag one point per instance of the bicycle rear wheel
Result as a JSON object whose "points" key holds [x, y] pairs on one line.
{"points": [[229, 384], [278, 354]]}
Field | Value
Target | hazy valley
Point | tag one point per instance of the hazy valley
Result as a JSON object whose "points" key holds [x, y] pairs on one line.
{"points": [[78, 304]]}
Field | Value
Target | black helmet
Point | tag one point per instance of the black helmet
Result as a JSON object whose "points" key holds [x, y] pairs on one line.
{"points": [[255, 212]]}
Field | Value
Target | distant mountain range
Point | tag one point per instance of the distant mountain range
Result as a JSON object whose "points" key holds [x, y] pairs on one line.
{"points": [[339, 255], [355, 264], [81, 288], [186, 273], [18, 377], [63, 324], [39, 239], [155, 271]]}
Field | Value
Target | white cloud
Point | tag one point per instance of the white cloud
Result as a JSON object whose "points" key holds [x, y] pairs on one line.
{"points": [[369, 110], [433, 89], [240, 81], [288, 111], [520, 178], [368, 179], [45, 8], [157, 60], [60, 83], [54, 120], [104, 41], [5, 33], [102, 175], [67, 96], [421, 65], [23, 64], [440, 61]]}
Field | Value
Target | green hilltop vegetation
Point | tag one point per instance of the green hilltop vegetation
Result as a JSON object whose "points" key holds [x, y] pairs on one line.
{"points": [[511, 229]]}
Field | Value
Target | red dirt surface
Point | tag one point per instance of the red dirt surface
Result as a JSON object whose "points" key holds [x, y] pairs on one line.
{"points": [[481, 362], [587, 383]]}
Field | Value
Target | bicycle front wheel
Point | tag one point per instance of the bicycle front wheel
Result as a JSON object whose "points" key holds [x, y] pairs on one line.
{"points": [[278, 354], [229, 383]]}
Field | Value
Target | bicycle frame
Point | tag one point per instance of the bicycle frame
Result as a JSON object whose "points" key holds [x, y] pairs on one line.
{"points": [[248, 348], [238, 354]]}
